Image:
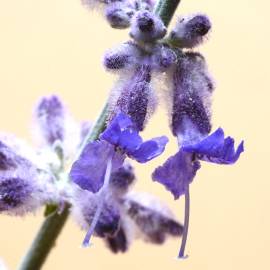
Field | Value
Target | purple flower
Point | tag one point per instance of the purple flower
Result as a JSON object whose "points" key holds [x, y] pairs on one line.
{"points": [[216, 149], [136, 97], [55, 126], [152, 219], [89, 170], [124, 56], [191, 92], [119, 14], [177, 173], [50, 114], [190, 31], [147, 27], [120, 139], [122, 214], [8, 159], [14, 192], [24, 184], [179, 170], [84, 209]]}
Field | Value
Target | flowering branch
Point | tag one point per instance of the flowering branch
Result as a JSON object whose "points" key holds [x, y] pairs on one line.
{"points": [[97, 190], [54, 222]]}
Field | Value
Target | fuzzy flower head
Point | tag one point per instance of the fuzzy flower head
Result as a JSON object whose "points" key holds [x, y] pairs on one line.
{"points": [[22, 183], [190, 31], [147, 27], [54, 125], [134, 93], [192, 89], [119, 14]]}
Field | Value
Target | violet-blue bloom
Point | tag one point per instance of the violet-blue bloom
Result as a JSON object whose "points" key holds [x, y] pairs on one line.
{"points": [[123, 133], [179, 170], [89, 170], [216, 149], [177, 173], [120, 139]]}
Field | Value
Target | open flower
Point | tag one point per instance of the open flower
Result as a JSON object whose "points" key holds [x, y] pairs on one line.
{"points": [[125, 215], [99, 159], [192, 88], [179, 170], [119, 140]]}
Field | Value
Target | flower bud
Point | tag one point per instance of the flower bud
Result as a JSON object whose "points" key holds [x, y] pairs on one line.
{"points": [[153, 219], [192, 88], [190, 31], [50, 114], [23, 190], [55, 127], [119, 15], [135, 96], [24, 184], [124, 56], [84, 208], [147, 27]]}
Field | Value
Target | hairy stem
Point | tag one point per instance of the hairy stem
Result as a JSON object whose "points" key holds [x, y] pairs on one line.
{"points": [[165, 9], [54, 222]]}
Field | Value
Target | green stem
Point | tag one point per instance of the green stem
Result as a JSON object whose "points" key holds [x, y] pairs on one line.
{"points": [[44, 241], [165, 9], [181, 254], [54, 222]]}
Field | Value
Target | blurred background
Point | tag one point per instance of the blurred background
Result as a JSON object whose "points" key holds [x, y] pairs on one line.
{"points": [[56, 46]]}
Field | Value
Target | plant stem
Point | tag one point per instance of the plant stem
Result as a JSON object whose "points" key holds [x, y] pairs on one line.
{"points": [[181, 254], [165, 9], [44, 241], [54, 222]]}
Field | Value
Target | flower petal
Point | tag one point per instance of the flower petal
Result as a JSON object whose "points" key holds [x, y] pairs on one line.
{"points": [[177, 172], [122, 132], [149, 149], [216, 149], [88, 171]]}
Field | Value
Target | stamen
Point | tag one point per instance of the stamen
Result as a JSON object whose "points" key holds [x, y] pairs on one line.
{"points": [[86, 241], [181, 254]]}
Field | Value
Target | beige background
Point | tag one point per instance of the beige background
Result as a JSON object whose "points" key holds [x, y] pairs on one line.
{"points": [[56, 46]]}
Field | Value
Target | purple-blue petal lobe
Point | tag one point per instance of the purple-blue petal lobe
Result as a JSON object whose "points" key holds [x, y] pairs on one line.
{"points": [[122, 133], [149, 149], [89, 170], [216, 148], [113, 131], [129, 140], [177, 173]]}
